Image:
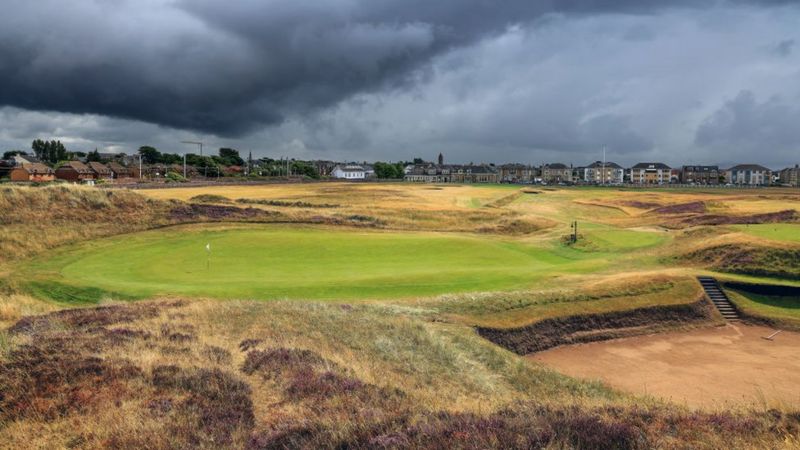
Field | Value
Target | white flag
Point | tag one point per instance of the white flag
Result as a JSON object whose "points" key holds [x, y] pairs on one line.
{"points": [[208, 247]]}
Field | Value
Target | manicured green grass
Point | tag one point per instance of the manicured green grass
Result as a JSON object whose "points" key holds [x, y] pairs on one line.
{"points": [[775, 231], [272, 262], [618, 240]]}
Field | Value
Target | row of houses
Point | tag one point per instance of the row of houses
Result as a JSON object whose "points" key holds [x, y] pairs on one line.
{"points": [[602, 173], [72, 171], [27, 168], [90, 172]]}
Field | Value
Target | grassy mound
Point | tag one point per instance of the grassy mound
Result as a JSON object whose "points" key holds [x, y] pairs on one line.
{"points": [[36, 219], [749, 259]]}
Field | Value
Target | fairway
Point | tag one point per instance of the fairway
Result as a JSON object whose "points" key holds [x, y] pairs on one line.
{"points": [[275, 262], [773, 231]]}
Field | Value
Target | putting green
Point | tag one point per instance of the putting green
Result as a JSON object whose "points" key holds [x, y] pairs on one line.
{"points": [[273, 262]]}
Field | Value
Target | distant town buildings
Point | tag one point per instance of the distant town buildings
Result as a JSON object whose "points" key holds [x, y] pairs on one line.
{"points": [[556, 173], [707, 175], [518, 173], [600, 172], [749, 174], [436, 173], [32, 172], [651, 173], [76, 172], [122, 168], [790, 176], [349, 172]]}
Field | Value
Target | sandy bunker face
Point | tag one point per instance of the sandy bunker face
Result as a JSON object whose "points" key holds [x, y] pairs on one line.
{"points": [[717, 367]]}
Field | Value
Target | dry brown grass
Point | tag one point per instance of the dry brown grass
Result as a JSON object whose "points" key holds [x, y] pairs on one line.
{"points": [[41, 218], [171, 375]]}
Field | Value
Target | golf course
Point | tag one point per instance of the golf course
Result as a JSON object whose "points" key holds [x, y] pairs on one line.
{"points": [[360, 308], [269, 262]]}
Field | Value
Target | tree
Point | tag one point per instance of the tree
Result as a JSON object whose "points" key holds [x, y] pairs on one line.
{"points": [[230, 157], [93, 156], [49, 151], [388, 170], [303, 168], [149, 154], [10, 154]]}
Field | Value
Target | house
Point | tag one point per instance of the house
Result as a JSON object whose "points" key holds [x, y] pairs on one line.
{"points": [[191, 171], [349, 172], [229, 171], [516, 173], [749, 174], [6, 166], [32, 172], [700, 174], [155, 170], [429, 173], [119, 171], [556, 173], [101, 170], [651, 173], [76, 172], [600, 172], [324, 168], [790, 176], [369, 170], [471, 173], [452, 173], [25, 159]]}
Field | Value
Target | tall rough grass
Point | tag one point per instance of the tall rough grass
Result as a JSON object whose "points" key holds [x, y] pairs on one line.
{"points": [[35, 219], [169, 374]]}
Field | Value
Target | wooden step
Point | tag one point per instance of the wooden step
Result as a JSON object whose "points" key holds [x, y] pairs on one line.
{"points": [[717, 296]]}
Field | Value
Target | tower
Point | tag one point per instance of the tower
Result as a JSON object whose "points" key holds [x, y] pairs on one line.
{"points": [[441, 159]]}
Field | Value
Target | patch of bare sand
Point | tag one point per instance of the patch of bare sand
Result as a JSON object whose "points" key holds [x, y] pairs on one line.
{"points": [[715, 368]]}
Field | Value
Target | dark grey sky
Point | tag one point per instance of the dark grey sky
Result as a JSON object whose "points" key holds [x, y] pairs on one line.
{"points": [[515, 80]]}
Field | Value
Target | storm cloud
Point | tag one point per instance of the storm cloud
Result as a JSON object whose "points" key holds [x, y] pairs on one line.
{"points": [[371, 78]]}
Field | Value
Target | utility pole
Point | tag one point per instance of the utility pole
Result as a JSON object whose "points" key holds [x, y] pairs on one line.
{"points": [[603, 175], [200, 144]]}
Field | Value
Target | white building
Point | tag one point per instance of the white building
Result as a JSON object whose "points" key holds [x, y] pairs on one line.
{"points": [[749, 174], [349, 172], [600, 172]]}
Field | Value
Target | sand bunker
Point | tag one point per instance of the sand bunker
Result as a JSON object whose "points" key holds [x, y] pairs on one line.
{"points": [[718, 367]]}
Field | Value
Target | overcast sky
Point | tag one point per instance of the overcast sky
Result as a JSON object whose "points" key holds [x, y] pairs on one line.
{"points": [[697, 81]]}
